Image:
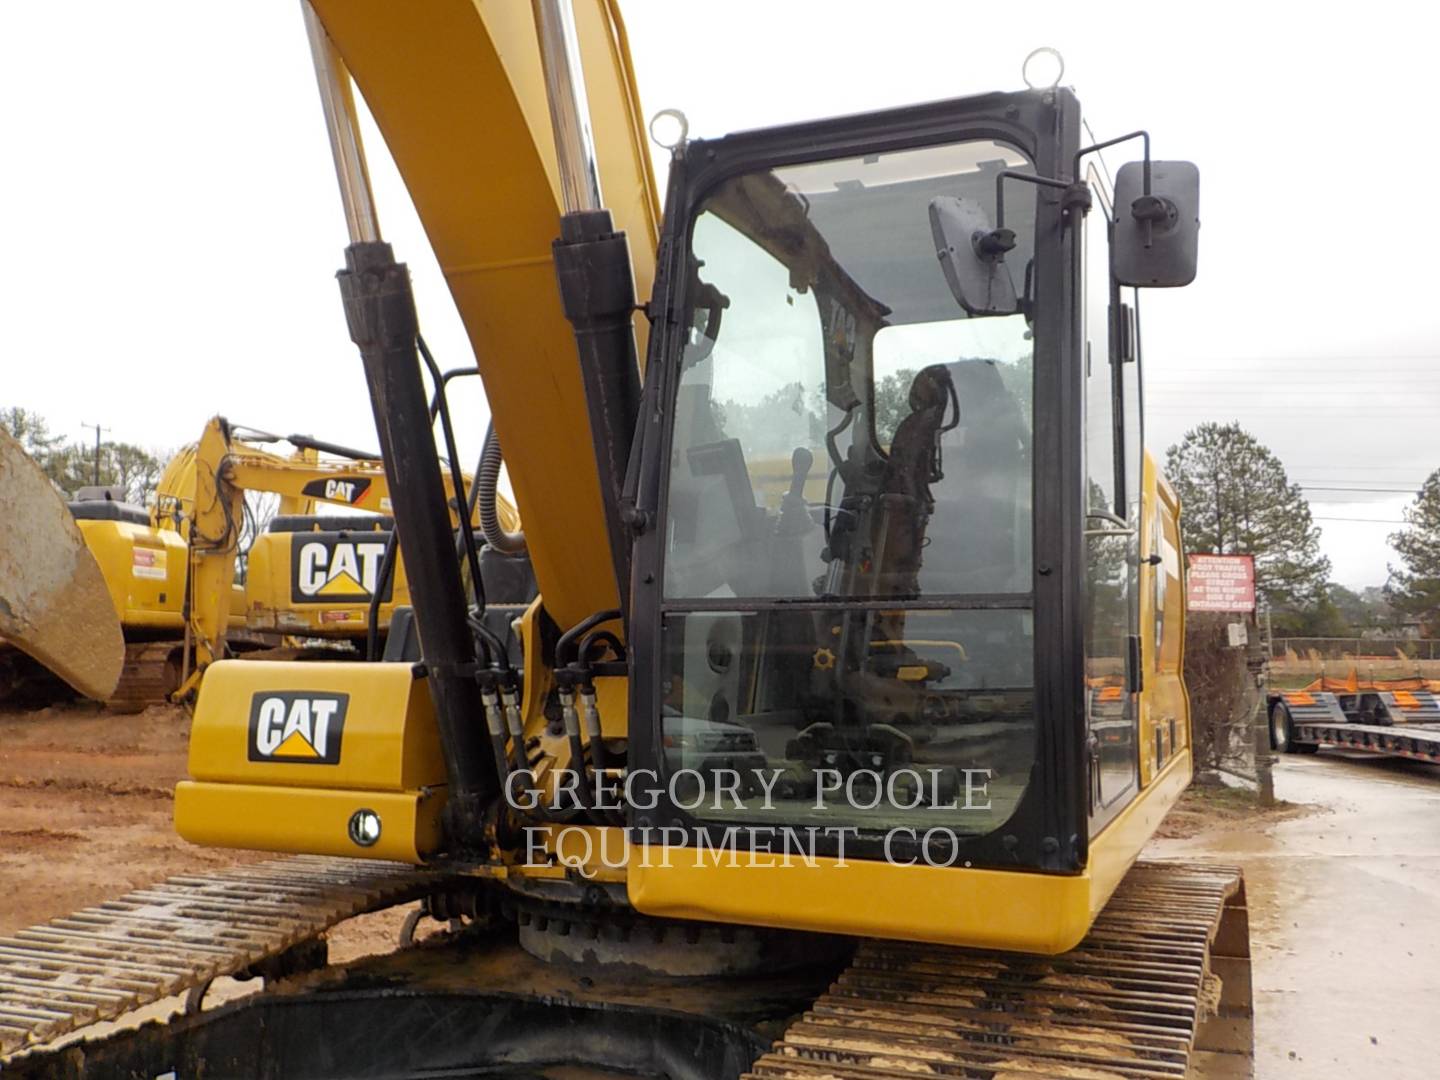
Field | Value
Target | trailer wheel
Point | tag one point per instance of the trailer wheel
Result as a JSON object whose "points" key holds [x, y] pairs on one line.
{"points": [[1279, 728], [1282, 733]]}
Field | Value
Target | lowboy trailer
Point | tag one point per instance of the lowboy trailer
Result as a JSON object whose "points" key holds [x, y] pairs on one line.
{"points": [[1400, 723]]}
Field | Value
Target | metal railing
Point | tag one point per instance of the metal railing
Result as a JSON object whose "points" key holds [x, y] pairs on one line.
{"points": [[1356, 648]]}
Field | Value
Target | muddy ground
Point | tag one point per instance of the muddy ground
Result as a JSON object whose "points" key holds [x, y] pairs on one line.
{"points": [[1343, 877], [1344, 893]]}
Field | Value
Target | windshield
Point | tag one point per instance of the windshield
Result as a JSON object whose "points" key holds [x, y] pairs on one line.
{"points": [[837, 407], [847, 549]]}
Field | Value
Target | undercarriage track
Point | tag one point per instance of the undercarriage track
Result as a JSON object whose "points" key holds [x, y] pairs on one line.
{"points": [[151, 944], [150, 675], [1159, 988]]}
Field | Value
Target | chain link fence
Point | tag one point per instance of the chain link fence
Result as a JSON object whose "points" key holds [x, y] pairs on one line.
{"points": [[1355, 648]]}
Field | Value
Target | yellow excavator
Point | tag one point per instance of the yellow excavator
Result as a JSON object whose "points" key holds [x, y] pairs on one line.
{"points": [[141, 555], [310, 577], [852, 690]]}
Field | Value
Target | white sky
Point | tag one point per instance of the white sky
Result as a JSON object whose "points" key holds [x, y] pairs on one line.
{"points": [[171, 224]]}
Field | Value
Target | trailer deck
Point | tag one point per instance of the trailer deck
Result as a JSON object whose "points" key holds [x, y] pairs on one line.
{"points": [[1402, 723]]}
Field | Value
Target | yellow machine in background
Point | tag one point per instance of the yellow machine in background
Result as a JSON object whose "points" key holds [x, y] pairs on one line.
{"points": [[310, 578], [315, 577], [142, 558]]}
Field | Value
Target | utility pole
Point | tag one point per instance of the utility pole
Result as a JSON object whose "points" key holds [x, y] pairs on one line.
{"points": [[98, 430], [1258, 664]]}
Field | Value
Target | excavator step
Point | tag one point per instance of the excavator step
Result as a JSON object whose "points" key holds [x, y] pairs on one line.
{"points": [[176, 936], [1159, 988]]}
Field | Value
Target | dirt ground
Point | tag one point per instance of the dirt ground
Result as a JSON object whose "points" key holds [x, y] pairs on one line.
{"points": [[1208, 809], [85, 808], [1343, 877], [85, 814]]}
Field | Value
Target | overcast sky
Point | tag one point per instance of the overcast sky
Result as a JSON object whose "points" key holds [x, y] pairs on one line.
{"points": [[171, 224]]}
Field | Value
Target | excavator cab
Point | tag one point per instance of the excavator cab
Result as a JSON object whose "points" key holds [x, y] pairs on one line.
{"points": [[846, 556], [893, 495], [856, 634]]}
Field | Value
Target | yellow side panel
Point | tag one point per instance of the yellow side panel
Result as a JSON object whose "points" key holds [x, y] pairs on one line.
{"points": [[144, 570], [382, 735], [999, 909], [1040, 913], [307, 820], [455, 88], [338, 608], [1164, 706], [1118, 845]]}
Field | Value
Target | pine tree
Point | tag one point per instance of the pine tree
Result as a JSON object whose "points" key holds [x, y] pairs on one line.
{"points": [[30, 431], [1235, 499], [1415, 588]]}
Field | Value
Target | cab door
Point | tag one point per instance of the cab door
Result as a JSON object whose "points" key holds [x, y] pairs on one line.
{"points": [[1112, 520]]}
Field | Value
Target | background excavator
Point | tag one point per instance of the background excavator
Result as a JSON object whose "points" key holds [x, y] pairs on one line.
{"points": [[852, 688], [310, 578]]}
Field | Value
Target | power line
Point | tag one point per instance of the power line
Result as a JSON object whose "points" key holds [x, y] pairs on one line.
{"points": [[1401, 478], [1363, 521], [1322, 466], [1293, 411], [1230, 357], [1373, 490], [1283, 378]]}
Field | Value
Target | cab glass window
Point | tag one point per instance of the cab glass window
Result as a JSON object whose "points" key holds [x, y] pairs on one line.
{"points": [[848, 519]]}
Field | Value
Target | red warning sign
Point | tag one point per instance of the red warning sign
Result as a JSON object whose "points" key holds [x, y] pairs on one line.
{"points": [[1220, 583]]}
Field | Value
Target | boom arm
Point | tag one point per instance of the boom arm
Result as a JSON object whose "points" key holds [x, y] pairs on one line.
{"points": [[472, 138]]}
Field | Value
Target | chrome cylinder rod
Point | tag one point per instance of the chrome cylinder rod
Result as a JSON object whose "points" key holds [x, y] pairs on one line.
{"points": [[343, 127], [569, 108]]}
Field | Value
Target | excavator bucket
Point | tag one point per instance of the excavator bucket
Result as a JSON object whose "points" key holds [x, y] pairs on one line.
{"points": [[54, 604]]}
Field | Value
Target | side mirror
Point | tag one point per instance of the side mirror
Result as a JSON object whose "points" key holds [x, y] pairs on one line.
{"points": [[972, 255], [1156, 232]]}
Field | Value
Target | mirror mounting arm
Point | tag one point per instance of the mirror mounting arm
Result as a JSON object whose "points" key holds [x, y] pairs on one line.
{"points": [[1000, 178], [1148, 208], [1153, 210], [1144, 136], [1014, 174], [1076, 198]]}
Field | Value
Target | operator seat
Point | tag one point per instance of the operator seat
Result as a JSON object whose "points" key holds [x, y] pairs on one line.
{"points": [[913, 465], [979, 529]]}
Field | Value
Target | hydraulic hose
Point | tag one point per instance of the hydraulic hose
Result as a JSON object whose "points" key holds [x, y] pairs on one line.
{"points": [[507, 543]]}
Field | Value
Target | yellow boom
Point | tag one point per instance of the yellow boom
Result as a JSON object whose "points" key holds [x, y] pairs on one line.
{"points": [[473, 141]]}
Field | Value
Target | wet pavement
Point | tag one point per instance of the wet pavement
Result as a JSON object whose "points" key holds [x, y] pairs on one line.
{"points": [[1344, 917]]}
